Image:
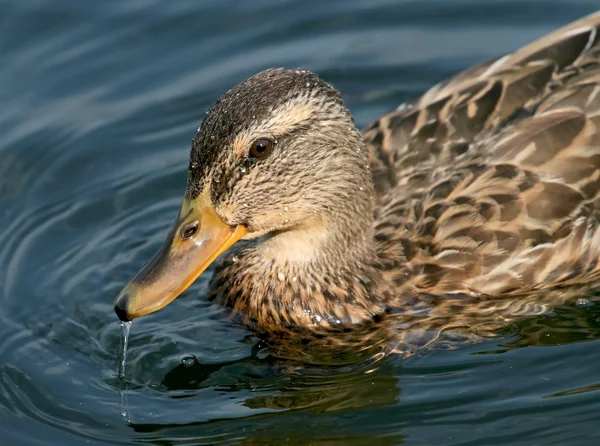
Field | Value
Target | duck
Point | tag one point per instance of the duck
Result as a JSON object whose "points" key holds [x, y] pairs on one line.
{"points": [[477, 201]]}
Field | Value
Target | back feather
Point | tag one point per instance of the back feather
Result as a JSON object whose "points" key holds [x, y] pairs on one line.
{"points": [[489, 183]]}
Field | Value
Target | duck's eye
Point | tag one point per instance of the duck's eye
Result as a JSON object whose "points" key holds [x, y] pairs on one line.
{"points": [[261, 148], [189, 230]]}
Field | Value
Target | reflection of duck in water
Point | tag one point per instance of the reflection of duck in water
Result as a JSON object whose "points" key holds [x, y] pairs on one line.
{"points": [[446, 211]]}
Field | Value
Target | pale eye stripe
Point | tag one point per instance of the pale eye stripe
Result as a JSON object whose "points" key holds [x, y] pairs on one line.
{"points": [[282, 120]]}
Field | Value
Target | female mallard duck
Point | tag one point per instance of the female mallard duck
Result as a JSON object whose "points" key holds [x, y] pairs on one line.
{"points": [[482, 192]]}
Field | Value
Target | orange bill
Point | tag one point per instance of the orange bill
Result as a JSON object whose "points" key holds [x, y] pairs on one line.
{"points": [[196, 239]]}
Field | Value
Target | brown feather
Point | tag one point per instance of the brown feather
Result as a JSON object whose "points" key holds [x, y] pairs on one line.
{"points": [[484, 195]]}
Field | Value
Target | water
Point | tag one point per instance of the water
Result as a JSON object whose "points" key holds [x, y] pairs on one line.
{"points": [[100, 101], [125, 329]]}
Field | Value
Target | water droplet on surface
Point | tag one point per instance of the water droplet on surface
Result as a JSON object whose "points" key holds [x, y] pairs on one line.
{"points": [[243, 169], [188, 360], [212, 137], [308, 84], [361, 188], [245, 205], [285, 209], [194, 165], [583, 302], [281, 277], [294, 279], [281, 213], [217, 180], [286, 220], [235, 259]]}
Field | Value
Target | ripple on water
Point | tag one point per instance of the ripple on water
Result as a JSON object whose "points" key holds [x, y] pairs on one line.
{"points": [[99, 104]]}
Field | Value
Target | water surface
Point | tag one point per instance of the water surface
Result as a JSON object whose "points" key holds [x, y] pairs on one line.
{"points": [[100, 101]]}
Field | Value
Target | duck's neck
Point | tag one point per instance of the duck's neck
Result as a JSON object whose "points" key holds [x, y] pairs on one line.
{"points": [[320, 273]]}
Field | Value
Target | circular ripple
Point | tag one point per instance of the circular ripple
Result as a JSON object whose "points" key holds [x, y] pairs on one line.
{"points": [[99, 105]]}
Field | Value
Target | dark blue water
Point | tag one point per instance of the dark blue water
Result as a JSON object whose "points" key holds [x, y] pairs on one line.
{"points": [[99, 102]]}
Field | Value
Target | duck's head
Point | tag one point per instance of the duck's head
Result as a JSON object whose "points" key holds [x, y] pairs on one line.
{"points": [[277, 153]]}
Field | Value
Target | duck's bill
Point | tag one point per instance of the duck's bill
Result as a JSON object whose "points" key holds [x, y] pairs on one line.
{"points": [[186, 253]]}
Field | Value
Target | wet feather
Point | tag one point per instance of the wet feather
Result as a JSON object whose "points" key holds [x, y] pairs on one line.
{"points": [[481, 198]]}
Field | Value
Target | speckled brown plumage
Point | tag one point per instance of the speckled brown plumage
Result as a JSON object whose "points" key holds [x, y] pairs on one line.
{"points": [[472, 205], [491, 179]]}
